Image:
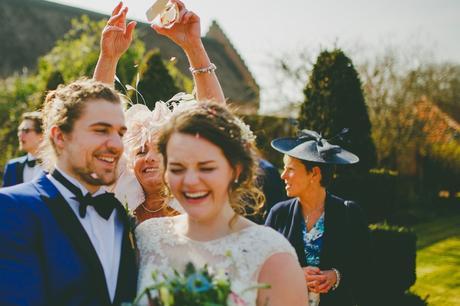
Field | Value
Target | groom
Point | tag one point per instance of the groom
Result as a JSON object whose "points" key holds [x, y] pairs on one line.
{"points": [[63, 239]]}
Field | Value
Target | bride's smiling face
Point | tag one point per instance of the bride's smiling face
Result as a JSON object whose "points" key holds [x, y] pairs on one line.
{"points": [[198, 175]]}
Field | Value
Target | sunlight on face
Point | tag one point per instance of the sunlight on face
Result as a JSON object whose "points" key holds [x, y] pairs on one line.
{"points": [[198, 175], [92, 150], [148, 167], [295, 176], [29, 139]]}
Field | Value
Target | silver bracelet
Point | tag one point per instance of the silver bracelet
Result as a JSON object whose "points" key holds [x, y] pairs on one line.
{"points": [[208, 69], [338, 276]]}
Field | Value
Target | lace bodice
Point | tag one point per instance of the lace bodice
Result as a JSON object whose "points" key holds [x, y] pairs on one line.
{"points": [[163, 249]]}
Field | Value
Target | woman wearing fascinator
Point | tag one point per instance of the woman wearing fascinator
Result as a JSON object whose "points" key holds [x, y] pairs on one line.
{"points": [[140, 184], [330, 235]]}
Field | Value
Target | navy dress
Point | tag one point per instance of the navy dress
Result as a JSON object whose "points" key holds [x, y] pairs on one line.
{"points": [[345, 246]]}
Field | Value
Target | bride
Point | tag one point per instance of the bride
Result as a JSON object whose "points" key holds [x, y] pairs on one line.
{"points": [[209, 162], [210, 168]]}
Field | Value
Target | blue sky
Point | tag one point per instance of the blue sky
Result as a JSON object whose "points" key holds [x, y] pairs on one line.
{"points": [[261, 29]]}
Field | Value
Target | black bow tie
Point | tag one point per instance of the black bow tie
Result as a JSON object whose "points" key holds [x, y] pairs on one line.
{"points": [[31, 163], [104, 204]]}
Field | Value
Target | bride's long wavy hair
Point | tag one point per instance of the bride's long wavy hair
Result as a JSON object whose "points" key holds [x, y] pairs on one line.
{"points": [[217, 124]]}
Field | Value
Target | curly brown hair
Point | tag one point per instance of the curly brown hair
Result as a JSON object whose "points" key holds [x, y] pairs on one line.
{"points": [[64, 106], [217, 124]]}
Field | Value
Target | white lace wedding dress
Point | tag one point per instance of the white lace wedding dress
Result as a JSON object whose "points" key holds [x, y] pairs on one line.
{"points": [[163, 249]]}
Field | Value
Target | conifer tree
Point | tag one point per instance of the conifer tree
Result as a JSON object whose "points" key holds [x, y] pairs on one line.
{"points": [[334, 100], [54, 80], [155, 82]]}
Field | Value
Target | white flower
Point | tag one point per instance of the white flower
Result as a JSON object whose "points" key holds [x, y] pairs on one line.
{"points": [[246, 134]]}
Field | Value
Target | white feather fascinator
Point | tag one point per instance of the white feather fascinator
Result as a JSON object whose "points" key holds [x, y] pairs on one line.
{"points": [[144, 125]]}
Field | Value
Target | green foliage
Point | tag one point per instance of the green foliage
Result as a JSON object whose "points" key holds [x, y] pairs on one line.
{"points": [[155, 81], [376, 192], [183, 82], [194, 287], [393, 250], [437, 229], [409, 131], [54, 80], [438, 82], [267, 128], [73, 56], [76, 54], [128, 65], [18, 94], [438, 276], [334, 100]]}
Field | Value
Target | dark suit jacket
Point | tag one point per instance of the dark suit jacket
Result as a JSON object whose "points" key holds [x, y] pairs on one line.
{"points": [[14, 171], [46, 257], [269, 181], [346, 246], [272, 185]]}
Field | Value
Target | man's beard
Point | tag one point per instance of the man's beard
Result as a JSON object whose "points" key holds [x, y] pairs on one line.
{"points": [[92, 178]]}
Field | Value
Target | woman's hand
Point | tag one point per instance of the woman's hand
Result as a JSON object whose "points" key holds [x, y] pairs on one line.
{"points": [[319, 281], [186, 31], [331, 279], [115, 40], [117, 35]]}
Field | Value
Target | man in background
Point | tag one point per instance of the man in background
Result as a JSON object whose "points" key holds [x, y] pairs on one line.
{"points": [[26, 168]]}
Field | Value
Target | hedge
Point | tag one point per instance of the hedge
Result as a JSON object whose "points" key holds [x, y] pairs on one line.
{"points": [[394, 253]]}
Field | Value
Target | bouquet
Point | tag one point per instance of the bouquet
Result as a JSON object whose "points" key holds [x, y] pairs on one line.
{"points": [[195, 287]]}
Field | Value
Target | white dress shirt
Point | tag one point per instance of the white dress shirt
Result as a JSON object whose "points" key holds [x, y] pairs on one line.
{"points": [[105, 235], [29, 173]]}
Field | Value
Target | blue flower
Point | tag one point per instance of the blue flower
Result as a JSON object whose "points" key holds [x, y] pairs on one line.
{"points": [[198, 283]]}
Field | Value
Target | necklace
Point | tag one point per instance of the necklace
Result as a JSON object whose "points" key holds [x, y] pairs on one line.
{"points": [[151, 210]]}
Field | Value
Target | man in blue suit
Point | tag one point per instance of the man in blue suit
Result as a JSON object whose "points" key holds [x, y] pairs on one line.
{"points": [[64, 240], [25, 168]]}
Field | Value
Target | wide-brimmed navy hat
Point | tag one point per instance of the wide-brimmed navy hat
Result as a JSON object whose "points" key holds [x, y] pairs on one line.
{"points": [[310, 146]]}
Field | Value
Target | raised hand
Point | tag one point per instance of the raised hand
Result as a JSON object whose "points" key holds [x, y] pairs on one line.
{"points": [[117, 35], [186, 32], [116, 39]]}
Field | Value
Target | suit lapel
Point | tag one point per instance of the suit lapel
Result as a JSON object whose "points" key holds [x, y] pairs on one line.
{"points": [[333, 226], [299, 242], [20, 170], [72, 227], [127, 271]]}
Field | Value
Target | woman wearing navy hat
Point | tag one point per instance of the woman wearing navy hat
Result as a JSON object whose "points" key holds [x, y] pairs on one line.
{"points": [[329, 234]]}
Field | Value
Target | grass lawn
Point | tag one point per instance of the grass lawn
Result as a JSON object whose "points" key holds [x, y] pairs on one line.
{"points": [[438, 261]]}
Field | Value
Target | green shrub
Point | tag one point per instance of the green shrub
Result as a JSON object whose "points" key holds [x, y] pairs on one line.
{"points": [[334, 100], [155, 81], [267, 128], [394, 252], [376, 192]]}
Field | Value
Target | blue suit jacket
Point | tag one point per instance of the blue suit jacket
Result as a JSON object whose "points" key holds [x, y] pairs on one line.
{"points": [[46, 257], [14, 171]]}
